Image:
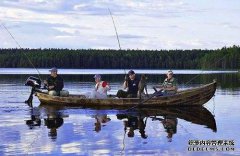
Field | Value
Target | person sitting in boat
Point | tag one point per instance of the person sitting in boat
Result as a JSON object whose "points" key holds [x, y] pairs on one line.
{"points": [[101, 88], [131, 84], [168, 87], [54, 84]]}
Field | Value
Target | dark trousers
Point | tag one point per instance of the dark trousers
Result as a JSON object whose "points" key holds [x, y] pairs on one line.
{"points": [[124, 94], [161, 93]]}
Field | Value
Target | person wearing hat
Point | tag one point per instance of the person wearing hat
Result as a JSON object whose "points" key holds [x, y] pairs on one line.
{"points": [[131, 84], [54, 84], [169, 86], [101, 88]]}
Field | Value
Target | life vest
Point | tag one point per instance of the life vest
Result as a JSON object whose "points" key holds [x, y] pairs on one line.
{"points": [[168, 83], [102, 87]]}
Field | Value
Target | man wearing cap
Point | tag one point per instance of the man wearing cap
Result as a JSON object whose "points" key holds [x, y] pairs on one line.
{"points": [[131, 84], [169, 86], [101, 88], [54, 84]]}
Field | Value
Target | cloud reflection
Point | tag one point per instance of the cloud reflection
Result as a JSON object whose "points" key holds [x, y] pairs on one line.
{"points": [[73, 147]]}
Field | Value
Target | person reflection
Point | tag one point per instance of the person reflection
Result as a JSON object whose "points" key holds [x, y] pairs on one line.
{"points": [[53, 122], [141, 127], [35, 120], [133, 123], [170, 126], [101, 120]]}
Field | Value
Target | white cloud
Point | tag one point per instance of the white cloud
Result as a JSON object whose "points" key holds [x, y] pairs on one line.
{"points": [[35, 5], [148, 24], [79, 6]]}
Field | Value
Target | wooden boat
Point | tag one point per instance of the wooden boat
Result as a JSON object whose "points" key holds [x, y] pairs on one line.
{"points": [[190, 97], [196, 115]]}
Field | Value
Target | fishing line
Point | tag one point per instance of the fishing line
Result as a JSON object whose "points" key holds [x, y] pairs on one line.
{"points": [[213, 112], [123, 142], [213, 106], [186, 131], [21, 50], [37, 134], [186, 84]]}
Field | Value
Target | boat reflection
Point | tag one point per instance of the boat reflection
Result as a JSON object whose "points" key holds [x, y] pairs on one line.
{"points": [[139, 122], [52, 117], [168, 117], [133, 122]]}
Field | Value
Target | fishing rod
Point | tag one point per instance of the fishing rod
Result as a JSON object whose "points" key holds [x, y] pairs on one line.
{"points": [[119, 45], [29, 101], [186, 84], [115, 28], [21, 50]]}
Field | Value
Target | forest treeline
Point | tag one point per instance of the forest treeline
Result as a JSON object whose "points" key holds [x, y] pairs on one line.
{"points": [[224, 58]]}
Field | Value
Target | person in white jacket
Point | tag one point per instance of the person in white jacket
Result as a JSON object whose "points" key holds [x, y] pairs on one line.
{"points": [[101, 88]]}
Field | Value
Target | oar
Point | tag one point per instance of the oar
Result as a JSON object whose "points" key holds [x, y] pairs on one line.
{"points": [[142, 102]]}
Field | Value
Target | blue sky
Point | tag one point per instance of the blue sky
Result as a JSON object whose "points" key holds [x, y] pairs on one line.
{"points": [[141, 24]]}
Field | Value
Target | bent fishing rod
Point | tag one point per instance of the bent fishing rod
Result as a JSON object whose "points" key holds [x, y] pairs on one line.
{"points": [[115, 28], [116, 32], [21, 50]]}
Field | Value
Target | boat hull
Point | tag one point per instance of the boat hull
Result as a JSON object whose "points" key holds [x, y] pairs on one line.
{"points": [[191, 97]]}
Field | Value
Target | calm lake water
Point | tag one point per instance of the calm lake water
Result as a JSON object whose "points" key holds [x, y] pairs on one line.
{"points": [[45, 130]]}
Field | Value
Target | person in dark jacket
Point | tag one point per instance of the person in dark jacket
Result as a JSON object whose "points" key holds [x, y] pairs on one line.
{"points": [[54, 84], [131, 84]]}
